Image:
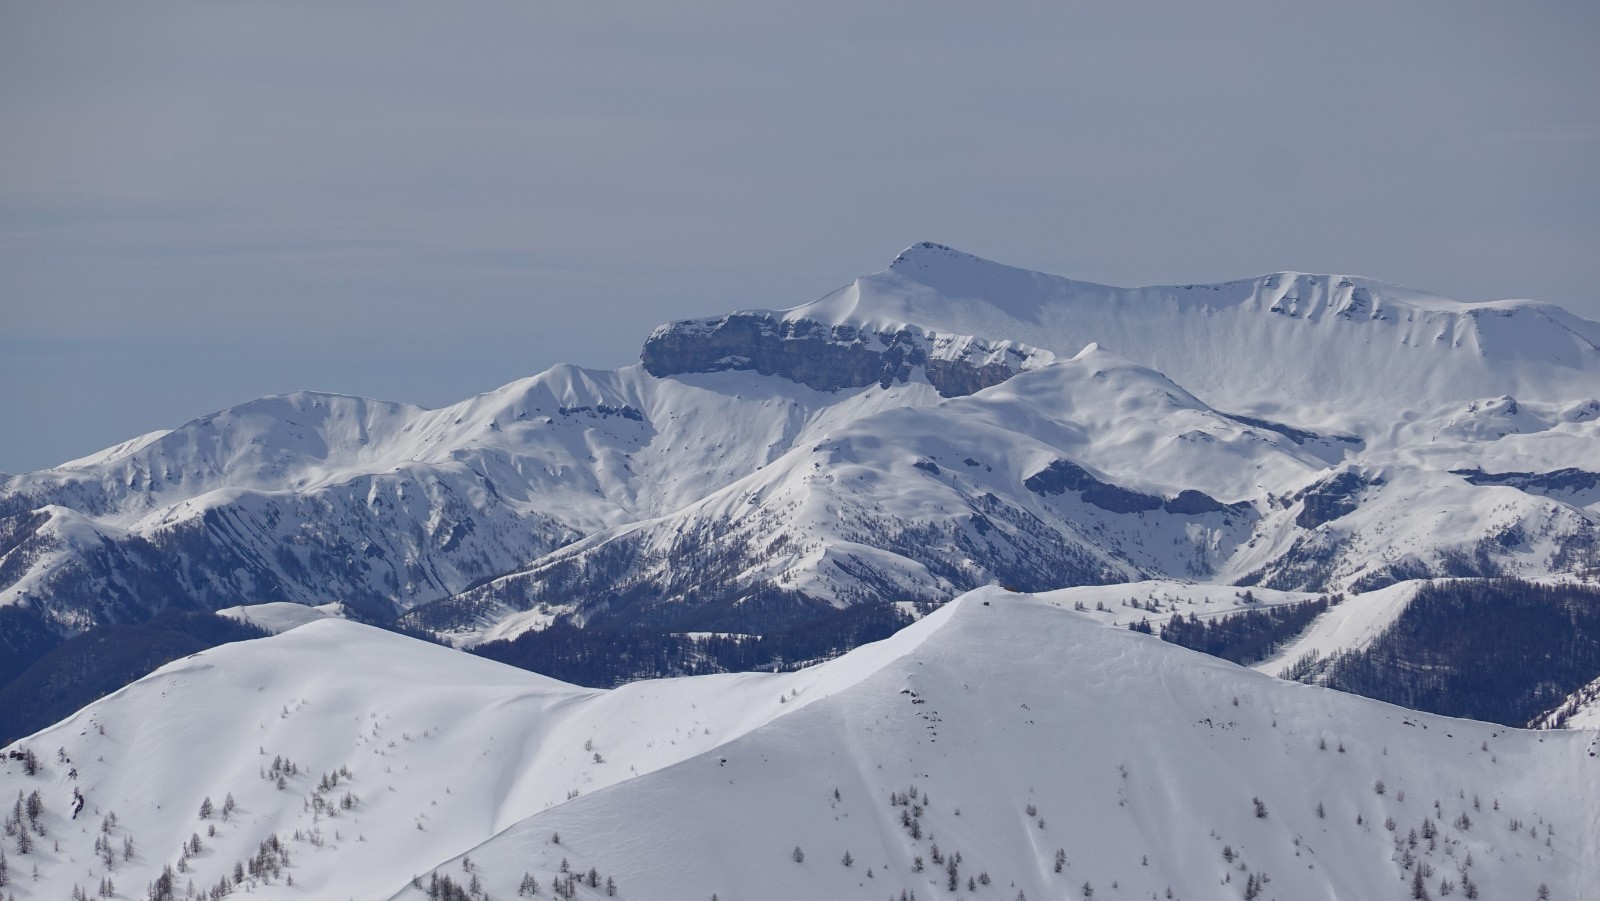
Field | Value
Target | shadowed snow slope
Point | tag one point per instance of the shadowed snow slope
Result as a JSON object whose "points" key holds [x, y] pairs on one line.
{"points": [[1001, 727]]}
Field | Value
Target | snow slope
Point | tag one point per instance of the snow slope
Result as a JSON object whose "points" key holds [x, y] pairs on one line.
{"points": [[1139, 760], [1025, 729], [441, 750], [282, 616]]}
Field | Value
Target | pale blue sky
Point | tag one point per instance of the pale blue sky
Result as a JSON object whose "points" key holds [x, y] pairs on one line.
{"points": [[203, 203]]}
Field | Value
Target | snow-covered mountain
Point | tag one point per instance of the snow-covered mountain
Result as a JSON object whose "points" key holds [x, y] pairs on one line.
{"points": [[311, 498], [1004, 742], [944, 424], [1335, 351]]}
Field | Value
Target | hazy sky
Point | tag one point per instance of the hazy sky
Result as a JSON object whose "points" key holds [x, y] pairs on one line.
{"points": [[201, 204]]}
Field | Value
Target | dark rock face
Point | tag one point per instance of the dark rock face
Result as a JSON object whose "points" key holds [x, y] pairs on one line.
{"points": [[958, 378], [1329, 500], [1064, 475], [602, 411], [1298, 436], [819, 356], [1190, 502], [1561, 481]]}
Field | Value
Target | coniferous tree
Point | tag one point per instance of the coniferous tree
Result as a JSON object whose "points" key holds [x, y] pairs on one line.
{"points": [[1419, 888], [1245, 637], [1480, 648], [162, 888]]}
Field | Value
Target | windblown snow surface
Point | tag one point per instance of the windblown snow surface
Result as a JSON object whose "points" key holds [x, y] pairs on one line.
{"points": [[1003, 731]]}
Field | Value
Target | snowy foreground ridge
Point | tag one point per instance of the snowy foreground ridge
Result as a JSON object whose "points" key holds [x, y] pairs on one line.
{"points": [[1004, 745]]}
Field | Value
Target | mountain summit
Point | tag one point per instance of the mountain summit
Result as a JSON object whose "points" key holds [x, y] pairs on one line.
{"points": [[1336, 344]]}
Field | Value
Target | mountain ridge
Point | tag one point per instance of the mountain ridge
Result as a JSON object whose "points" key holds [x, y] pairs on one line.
{"points": [[931, 428], [1148, 765]]}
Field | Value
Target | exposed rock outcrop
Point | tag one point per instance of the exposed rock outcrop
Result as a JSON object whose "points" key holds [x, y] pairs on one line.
{"points": [[830, 358]]}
